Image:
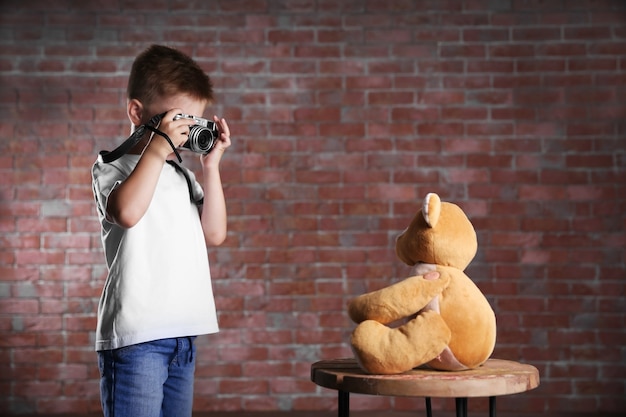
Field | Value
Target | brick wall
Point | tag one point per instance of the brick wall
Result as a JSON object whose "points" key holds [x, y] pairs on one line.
{"points": [[344, 115]]}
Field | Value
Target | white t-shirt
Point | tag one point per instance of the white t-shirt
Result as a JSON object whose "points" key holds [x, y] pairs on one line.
{"points": [[159, 282]]}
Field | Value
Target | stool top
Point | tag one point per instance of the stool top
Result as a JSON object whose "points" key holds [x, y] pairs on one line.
{"points": [[495, 377]]}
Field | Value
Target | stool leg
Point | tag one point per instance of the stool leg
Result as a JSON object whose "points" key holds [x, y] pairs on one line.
{"points": [[461, 407], [492, 406], [429, 408], [344, 404]]}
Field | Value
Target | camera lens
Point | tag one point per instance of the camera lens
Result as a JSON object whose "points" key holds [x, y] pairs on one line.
{"points": [[201, 139]]}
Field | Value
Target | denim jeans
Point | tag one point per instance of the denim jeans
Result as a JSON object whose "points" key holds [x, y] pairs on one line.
{"points": [[152, 379]]}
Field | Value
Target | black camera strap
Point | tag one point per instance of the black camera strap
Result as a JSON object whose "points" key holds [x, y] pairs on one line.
{"points": [[181, 170], [134, 139]]}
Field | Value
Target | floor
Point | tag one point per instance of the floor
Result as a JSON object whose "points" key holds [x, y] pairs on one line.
{"points": [[385, 414], [392, 414], [352, 414]]}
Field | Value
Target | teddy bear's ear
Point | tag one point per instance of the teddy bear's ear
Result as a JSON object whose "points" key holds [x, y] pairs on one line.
{"points": [[431, 209]]}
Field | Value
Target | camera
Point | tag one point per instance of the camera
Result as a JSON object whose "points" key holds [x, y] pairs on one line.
{"points": [[203, 134]]}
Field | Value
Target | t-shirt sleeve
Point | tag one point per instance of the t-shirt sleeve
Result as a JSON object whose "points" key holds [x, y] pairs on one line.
{"points": [[105, 178]]}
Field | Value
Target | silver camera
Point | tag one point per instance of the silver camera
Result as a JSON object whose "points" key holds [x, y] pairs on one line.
{"points": [[203, 134]]}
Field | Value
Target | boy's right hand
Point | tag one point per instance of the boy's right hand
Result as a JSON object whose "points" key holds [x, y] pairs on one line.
{"points": [[176, 130]]}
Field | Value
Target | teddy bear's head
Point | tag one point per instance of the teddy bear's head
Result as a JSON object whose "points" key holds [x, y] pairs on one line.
{"points": [[440, 233]]}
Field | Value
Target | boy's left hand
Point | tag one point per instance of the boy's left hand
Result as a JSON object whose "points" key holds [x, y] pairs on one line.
{"points": [[223, 142]]}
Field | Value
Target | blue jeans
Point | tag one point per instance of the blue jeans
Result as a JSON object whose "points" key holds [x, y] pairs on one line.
{"points": [[152, 379]]}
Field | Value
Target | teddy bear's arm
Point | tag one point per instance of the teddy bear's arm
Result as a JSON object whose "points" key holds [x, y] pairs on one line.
{"points": [[397, 301]]}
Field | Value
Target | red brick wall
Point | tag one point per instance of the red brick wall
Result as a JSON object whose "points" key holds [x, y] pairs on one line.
{"points": [[344, 115]]}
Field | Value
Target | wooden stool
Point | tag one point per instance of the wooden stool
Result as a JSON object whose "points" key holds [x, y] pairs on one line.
{"points": [[496, 377]]}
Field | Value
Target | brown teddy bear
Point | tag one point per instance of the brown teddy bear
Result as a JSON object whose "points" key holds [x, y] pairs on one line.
{"points": [[438, 317]]}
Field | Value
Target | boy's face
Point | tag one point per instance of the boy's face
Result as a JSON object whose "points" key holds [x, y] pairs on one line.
{"points": [[184, 102]]}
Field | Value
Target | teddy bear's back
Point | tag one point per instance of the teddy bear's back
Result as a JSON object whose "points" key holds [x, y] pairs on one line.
{"points": [[470, 318]]}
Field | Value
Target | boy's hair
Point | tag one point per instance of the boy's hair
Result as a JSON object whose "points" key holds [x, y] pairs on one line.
{"points": [[161, 71]]}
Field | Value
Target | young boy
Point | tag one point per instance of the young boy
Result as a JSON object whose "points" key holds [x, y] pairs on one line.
{"points": [[157, 296]]}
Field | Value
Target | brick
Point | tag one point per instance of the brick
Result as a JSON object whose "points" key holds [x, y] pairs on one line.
{"points": [[512, 50], [60, 406], [389, 97], [290, 36], [243, 386], [287, 386], [19, 306], [541, 34], [438, 34], [466, 51], [385, 66], [442, 98], [38, 389], [485, 35], [464, 113]]}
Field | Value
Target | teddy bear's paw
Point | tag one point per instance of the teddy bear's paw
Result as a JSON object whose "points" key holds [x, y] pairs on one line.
{"points": [[383, 350]]}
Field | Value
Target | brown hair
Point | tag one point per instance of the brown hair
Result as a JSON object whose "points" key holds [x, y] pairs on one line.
{"points": [[161, 71]]}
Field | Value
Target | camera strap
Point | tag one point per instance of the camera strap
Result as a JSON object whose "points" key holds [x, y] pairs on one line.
{"points": [[180, 169], [134, 139]]}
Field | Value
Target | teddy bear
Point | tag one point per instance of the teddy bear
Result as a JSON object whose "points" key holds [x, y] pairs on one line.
{"points": [[437, 317]]}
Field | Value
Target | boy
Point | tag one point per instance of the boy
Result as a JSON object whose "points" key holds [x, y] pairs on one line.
{"points": [[157, 296]]}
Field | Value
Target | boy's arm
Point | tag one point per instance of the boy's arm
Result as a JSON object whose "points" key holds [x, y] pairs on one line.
{"points": [[213, 215], [130, 200]]}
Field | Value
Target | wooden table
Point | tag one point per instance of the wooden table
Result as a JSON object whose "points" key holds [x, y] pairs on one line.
{"points": [[496, 377]]}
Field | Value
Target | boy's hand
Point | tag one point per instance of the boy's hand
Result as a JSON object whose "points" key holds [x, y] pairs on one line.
{"points": [[176, 130], [223, 142]]}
